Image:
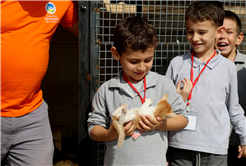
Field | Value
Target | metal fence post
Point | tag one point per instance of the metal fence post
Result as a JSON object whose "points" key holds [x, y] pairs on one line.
{"points": [[87, 147]]}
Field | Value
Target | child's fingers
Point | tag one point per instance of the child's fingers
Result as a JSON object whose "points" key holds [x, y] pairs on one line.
{"points": [[239, 148], [149, 123], [159, 119], [129, 128], [187, 83], [240, 151], [149, 120], [178, 86], [240, 155], [185, 86], [144, 124]]}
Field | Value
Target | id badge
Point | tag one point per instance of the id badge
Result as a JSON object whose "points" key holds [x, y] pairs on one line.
{"points": [[193, 116], [136, 133]]}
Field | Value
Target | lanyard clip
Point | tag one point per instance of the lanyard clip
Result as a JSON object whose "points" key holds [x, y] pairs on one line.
{"points": [[187, 106]]}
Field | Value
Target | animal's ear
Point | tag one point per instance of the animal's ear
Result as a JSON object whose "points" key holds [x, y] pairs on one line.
{"points": [[164, 97]]}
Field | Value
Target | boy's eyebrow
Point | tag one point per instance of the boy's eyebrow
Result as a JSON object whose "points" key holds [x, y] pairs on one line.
{"points": [[198, 29], [231, 28], [138, 58], [149, 57]]}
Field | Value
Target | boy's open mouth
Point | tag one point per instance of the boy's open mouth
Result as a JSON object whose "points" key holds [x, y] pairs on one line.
{"points": [[223, 44]]}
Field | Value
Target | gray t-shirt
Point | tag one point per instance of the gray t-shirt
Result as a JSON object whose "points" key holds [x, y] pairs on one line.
{"points": [[240, 62], [214, 100], [149, 148]]}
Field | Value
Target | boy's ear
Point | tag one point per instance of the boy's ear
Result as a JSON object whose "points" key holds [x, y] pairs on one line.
{"points": [[220, 31], [115, 53], [239, 38]]}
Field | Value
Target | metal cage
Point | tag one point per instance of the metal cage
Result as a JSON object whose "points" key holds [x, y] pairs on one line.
{"points": [[168, 17]]}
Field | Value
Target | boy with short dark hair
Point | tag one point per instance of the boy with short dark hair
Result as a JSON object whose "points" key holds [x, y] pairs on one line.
{"points": [[213, 100], [227, 44], [134, 46]]}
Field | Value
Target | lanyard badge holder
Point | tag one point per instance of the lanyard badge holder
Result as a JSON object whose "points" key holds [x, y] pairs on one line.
{"points": [[193, 116], [137, 132]]}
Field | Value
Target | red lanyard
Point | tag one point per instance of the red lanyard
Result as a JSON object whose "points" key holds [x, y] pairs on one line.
{"points": [[142, 99], [191, 75]]}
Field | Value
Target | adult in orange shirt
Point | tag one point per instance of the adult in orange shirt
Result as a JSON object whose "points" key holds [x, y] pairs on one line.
{"points": [[26, 30]]}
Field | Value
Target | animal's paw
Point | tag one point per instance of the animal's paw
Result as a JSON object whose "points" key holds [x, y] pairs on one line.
{"points": [[118, 111], [124, 106], [124, 110], [148, 100]]}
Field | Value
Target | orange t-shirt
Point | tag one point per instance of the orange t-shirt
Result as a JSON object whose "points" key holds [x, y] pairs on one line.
{"points": [[26, 30]]}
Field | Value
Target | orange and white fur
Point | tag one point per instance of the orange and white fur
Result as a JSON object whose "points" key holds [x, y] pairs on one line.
{"points": [[121, 115]]}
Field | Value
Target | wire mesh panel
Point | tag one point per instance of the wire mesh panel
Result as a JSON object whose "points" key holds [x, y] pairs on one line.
{"points": [[168, 17]]}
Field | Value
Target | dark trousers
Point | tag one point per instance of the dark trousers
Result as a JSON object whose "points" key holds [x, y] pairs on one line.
{"points": [[182, 157]]}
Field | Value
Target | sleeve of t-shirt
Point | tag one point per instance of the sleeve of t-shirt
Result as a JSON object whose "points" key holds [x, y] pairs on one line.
{"points": [[175, 99], [99, 115], [71, 16], [238, 120], [169, 71]]}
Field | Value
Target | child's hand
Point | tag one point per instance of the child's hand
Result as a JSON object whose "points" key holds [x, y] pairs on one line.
{"points": [[186, 88], [129, 128], [149, 123], [242, 151]]}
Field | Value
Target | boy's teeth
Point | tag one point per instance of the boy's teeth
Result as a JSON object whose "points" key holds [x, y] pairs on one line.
{"points": [[223, 45]]}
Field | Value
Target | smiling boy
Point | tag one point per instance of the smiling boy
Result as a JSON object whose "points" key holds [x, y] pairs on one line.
{"points": [[213, 100], [200, 35], [135, 41], [227, 44], [232, 37]]}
